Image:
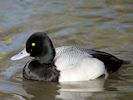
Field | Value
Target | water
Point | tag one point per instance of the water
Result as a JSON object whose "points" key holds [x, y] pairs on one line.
{"points": [[105, 25]]}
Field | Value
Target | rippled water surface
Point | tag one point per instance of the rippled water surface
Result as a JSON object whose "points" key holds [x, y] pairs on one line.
{"points": [[105, 25]]}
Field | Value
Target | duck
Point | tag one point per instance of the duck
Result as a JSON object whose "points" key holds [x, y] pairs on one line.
{"points": [[65, 63]]}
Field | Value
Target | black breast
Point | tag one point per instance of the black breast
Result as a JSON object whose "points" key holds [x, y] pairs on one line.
{"points": [[41, 72]]}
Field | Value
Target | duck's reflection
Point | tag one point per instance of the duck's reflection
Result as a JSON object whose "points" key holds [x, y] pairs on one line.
{"points": [[65, 91], [80, 90], [41, 90]]}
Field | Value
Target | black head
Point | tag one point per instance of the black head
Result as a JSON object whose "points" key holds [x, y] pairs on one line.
{"points": [[40, 46]]}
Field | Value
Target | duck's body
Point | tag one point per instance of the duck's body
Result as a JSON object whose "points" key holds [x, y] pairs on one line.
{"points": [[69, 63], [73, 64]]}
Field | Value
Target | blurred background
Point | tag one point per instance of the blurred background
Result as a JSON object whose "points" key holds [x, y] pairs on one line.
{"points": [[105, 25]]}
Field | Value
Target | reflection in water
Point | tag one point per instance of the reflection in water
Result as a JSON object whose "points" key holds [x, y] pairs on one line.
{"points": [[9, 72], [65, 91], [41, 90], [80, 90]]}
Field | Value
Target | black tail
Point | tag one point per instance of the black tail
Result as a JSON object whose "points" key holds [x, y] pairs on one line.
{"points": [[112, 63], [125, 62]]}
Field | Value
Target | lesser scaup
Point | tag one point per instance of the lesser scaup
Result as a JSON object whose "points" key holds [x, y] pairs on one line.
{"points": [[66, 63]]}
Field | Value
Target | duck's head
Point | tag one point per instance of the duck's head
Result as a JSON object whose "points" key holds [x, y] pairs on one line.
{"points": [[38, 46]]}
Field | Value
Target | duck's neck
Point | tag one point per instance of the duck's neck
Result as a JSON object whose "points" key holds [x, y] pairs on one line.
{"points": [[48, 57]]}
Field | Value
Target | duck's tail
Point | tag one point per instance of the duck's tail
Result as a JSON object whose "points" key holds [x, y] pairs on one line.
{"points": [[125, 62], [112, 63]]}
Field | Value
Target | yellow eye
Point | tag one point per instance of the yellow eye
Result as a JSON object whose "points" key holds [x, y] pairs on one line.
{"points": [[33, 44]]}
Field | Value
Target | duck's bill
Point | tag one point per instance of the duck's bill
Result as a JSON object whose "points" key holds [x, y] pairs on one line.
{"points": [[20, 55]]}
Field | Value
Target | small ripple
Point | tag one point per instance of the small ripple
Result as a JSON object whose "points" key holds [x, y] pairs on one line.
{"points": [[66, 32], [89, 7], [125, 88]]}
